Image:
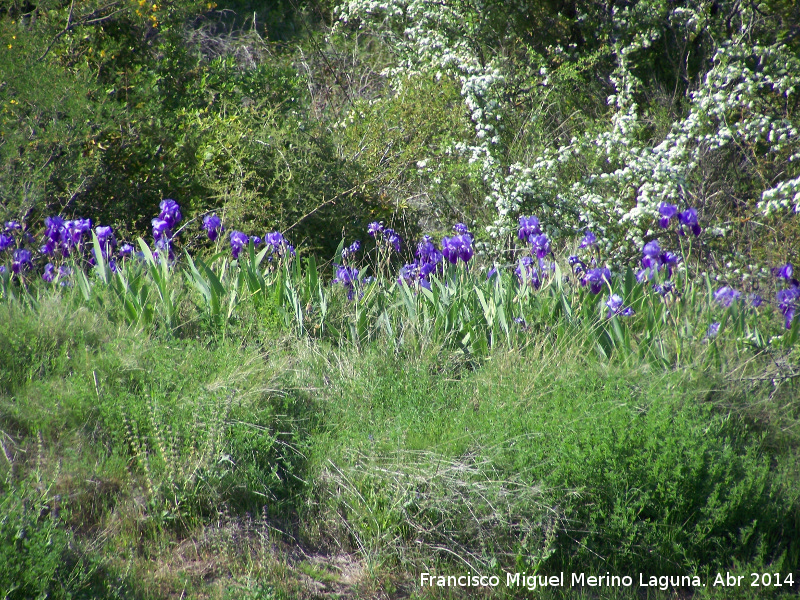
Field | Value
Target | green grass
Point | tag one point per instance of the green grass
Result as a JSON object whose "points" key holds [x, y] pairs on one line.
{"points": [[642, 469], [248, 459]]}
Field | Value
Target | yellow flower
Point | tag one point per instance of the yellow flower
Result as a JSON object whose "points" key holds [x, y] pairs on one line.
{"points": [[102, 52], [10, 46]]}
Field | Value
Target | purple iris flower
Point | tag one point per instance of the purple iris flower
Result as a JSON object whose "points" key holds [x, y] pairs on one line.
{"points": [[458, 246], [466, 252], [788, 317], [83, 225], [21, 259], [427, 269], [427, 251], [589, 240], [170, 212], [63, 274], [785, 272], [526, 271], [274, 239], [278, 244], [788, 300], [6, 241], [213, 226], [450, 249], [541, 244], [689, 219], [105, 235], [351, 249], [13, 226], [713, 330], [578, 266], [755, 300], [126, 250], [409, 273], [48, 248], [238, 242], [49, 272], [614, 303], [667, 212], [161, 228], [54, 228], [73, 234], [726, 296], [615, 307], [348, 277], [389, 236], [529, 226], [493, 272], [595, 278], [393, 238], [651, 252], [664, 288], [417, 272], [670, 261]]}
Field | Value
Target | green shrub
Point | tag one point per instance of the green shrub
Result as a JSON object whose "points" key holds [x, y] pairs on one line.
{"points": [[39, 555]]}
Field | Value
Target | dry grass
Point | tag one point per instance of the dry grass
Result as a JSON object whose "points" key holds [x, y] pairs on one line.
{"points": [[458, 510]]}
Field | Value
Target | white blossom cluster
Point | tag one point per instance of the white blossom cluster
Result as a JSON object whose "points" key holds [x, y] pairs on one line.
{"points": [[745, 102]]}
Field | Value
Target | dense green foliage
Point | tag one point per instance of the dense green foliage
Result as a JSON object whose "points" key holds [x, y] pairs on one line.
{"points": [[323, 117]]}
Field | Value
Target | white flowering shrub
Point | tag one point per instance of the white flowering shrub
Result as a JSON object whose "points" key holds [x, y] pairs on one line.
{"points": [[732, 149]]}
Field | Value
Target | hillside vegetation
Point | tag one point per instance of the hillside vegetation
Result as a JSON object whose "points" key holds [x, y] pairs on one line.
{"points": [[304, 299]]}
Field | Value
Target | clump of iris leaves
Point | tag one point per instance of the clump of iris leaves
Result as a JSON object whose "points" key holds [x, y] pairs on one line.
{"points": [[537, 413], [662, 285]]}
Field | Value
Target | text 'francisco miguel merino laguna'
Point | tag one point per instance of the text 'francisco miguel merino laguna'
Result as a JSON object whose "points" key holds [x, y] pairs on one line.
{"points": [[533, 582]]}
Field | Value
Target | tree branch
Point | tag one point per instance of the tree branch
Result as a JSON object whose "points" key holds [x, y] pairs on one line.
{"points": [[93, 18]]}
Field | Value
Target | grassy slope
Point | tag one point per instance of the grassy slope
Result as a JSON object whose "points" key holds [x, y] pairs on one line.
{"points": [[166, 466]]}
